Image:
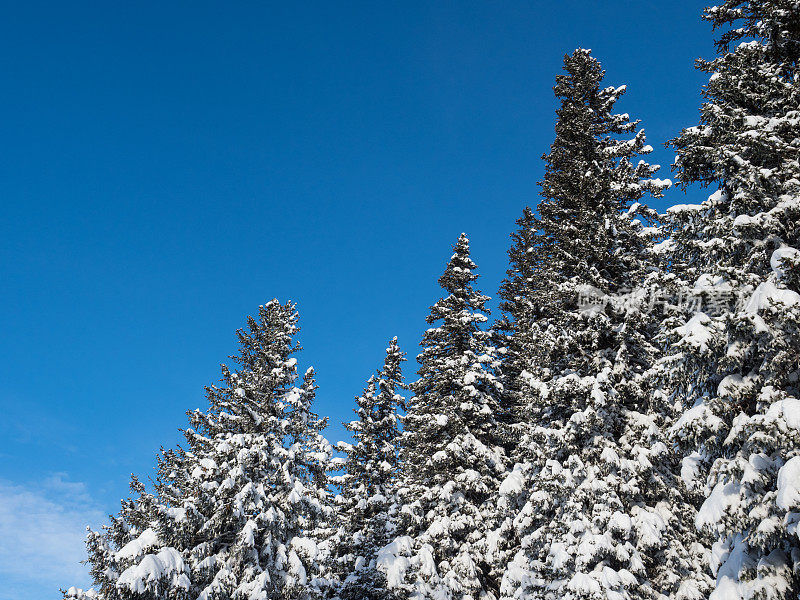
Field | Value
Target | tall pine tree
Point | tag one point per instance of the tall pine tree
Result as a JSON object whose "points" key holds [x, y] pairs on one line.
{"points": [[452, 452], [242, 511], [368, 499], [518, 305], [593, 502], [736, 361]]}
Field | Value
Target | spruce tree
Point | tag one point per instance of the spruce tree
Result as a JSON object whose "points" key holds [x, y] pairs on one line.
{"points": [[518, 307], [368, 489], [452, 455], [593, 502], [735, 362], [241, 511]]}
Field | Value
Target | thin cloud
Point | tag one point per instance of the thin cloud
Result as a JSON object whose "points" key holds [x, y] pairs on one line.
{"points": [[42, 528]]}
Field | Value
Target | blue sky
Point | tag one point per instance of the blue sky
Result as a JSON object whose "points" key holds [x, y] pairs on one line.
{"points": [[167, 167]]}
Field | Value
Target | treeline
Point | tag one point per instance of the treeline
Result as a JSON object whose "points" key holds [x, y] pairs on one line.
{"points": [[629, 428]]}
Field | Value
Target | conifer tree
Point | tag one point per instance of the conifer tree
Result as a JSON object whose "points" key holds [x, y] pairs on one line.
{"points": [[452, 456], [368, 505], [735, 362], [592, 503], [241, 512], [518, 306]]}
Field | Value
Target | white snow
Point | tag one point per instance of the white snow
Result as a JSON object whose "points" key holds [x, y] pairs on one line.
{"points": [[690, 467], [136, 547], [730, 383], [718, 196], [789, 484], [664, 246], [439, 456], [684, 208], [306, 546], [167, 564], [788, 410], [649, 526], [722, 497], [392, 562], [710, 283], [696, 331], [784, 252], [582, 583], [767, 294], [513, 483]]}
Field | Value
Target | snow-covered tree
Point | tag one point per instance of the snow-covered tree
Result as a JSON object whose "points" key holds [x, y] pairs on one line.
{"points": [[593, 502], [368, 488], [518, 306], [736, 360], [452, 455], [241, 511]]}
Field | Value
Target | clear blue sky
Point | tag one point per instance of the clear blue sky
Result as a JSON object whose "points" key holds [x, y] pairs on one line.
{"points": [[167, 167]]}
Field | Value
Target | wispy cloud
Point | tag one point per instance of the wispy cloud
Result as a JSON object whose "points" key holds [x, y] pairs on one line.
{"points": [[42, 532]]}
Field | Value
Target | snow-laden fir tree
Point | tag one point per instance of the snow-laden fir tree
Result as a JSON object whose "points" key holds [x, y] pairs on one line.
{"points": [[452, 455], [593, 503], [736, 361], [368, 488], [241, 511], [518, 306]]}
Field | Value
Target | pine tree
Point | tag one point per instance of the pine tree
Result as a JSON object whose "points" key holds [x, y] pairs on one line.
{"points": [[368, 505], [593, 502], [517, 294], [735, 361], [241, 512], [452, 456]]}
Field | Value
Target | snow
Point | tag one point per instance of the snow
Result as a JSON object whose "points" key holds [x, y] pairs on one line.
{"points": [[722, 497], [684, 208], [427, 564], [690, 467], [649, 527], [513, 484], [696, 331], [208, 463], [439, 456], [307, 546], [136, 547], [297, 569], [789, 484], [178, 514], [731, 383], [610, 456], [559, 555], [767, 294], [784, 252], [392, 562], [166, 565], [730, 561], [718, 196], [788, 410], [664, 246], [76, 592], [620, 522], [582, 583]]}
